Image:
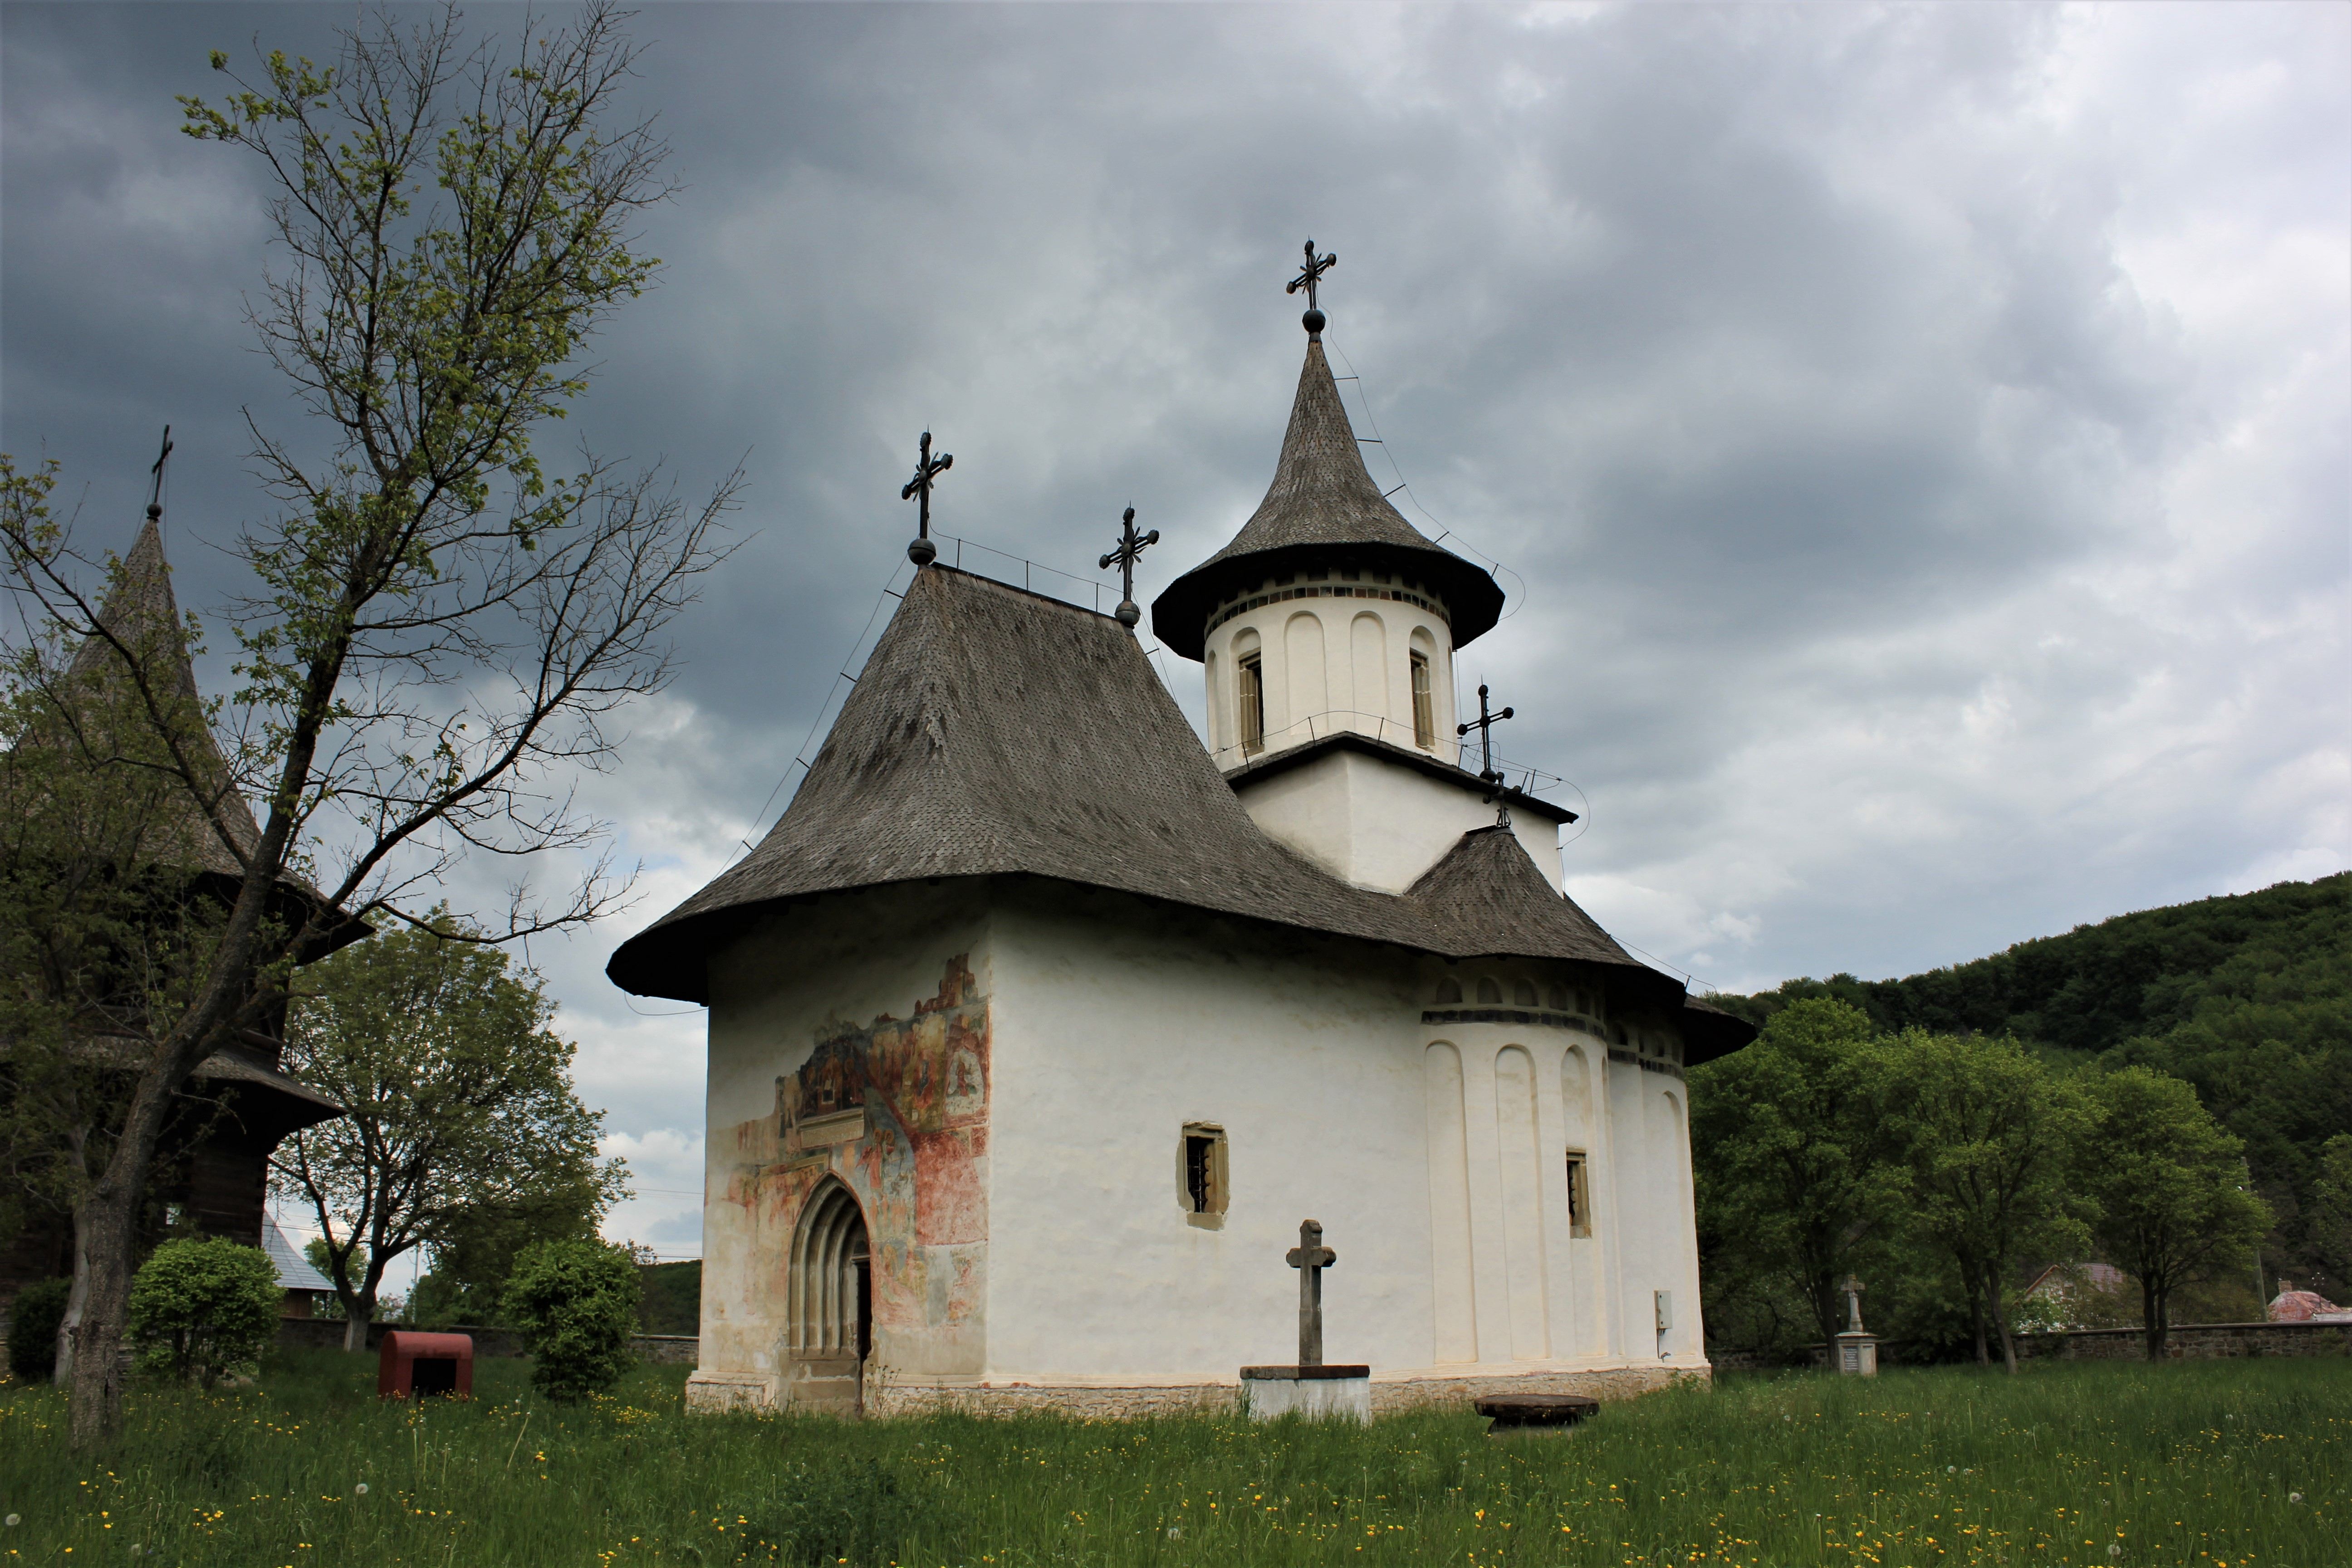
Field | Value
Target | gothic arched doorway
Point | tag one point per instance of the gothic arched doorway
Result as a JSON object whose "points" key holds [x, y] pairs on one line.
{"points": [[831, 1308]]}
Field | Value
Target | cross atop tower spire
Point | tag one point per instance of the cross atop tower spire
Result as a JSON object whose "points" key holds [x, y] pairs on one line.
{"points": [[1130, 549], [928, 468], [155, 494], [1309, 274]]}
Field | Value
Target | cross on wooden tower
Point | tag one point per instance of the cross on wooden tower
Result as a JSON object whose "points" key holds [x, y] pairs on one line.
{"points": [[928, 470], [1486, 728], [1129, 548], [1310, 1257], [155, 496], [1309, 276]]}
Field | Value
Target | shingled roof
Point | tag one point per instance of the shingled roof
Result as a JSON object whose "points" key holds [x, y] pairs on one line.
{"points": [[995, 731], [142, 613], [1322, 510]]}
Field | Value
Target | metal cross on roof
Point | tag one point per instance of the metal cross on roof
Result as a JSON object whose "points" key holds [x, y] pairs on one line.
{"points": [[1486, 728], [1309, 276], [1310, 1257], [155, 495], [1129, 548], [928, 470]]}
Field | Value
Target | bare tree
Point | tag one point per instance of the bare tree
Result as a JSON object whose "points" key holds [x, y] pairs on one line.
{"points": [[439, 630]]}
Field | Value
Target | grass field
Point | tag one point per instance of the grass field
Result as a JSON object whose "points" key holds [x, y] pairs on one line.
{"points": [[2214, 1464]]}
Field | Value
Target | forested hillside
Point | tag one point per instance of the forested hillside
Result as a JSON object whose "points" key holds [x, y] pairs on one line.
{"points": [[2248, 998]]}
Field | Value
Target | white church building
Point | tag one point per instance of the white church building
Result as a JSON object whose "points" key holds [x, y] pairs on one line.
{"points": [[1036, 1026]]}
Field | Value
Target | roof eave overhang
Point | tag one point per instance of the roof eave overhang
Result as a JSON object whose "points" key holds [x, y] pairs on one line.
{"points": [[1179, 615], [1282, 762]]}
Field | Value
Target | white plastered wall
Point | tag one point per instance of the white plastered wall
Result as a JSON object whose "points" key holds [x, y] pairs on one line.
{"points": [[1379, 824], [1117, 1023], [1346, 666], [1113, 1023]]}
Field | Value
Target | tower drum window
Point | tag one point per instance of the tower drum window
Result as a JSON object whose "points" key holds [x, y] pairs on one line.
{"points": [[1424, 715], [1250, 679], [1201, 1179], [1579, 1195]]}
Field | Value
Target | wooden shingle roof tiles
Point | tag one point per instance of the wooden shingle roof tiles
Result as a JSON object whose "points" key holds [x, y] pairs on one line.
{"points": [[995, 731]]}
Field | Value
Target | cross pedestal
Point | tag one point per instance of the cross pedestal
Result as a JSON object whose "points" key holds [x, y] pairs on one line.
{"points": [[1309, 1387], [1857, 1352]]}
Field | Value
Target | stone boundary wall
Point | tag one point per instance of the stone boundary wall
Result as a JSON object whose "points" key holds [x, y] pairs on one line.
{"points": [[2191, 1342], [2185, 1342], [327, 1334]]}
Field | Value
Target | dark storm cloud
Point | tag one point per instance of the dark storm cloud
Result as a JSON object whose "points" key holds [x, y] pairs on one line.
{"points": [[1915, 439]]}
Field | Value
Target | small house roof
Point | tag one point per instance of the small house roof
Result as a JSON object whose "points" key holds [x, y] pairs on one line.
{"points": [[1322, 510], [294, 1270], [995, 731]]}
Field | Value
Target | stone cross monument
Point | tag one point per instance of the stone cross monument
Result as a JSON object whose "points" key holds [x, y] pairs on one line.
{"points": [[1310, 1257], [1309, 1387], [1857, 1351]]}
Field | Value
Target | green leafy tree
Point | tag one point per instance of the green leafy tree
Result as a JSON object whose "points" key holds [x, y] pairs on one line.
{"points": [[2331, 1209], [1788, 1179], [475, 1252], [201, 1309], [109, 896], [458, 1105], [1989, 1135], [2170, 1184], [436, 628], [576, 1303]]}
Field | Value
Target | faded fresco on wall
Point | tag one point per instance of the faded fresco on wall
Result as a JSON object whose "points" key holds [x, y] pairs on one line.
{"points": [[896, 1108]]}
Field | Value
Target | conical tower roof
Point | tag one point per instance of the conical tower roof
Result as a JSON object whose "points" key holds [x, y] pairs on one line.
{"points": [[1322, 510], [142, 612]]}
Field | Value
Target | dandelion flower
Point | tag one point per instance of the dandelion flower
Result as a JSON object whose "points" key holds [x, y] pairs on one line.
{"points": [[2290, 1497], [13, 1519], [360, 1490]]}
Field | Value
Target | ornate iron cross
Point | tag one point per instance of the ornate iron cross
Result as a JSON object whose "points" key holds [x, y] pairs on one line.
{"points": [[1310, 1257], [928, 470], [1130, 547], [1312, 273], [1486, 728]]}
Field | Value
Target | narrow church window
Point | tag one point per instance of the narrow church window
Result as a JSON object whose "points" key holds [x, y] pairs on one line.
{"points": [[1580, 1198], [1424, 716], [1252, 705], [1202, 1171], [1558, 1000], [1523, 994], [1489, 991], [1449, 989]]}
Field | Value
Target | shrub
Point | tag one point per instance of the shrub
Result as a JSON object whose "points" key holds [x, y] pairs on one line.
{"points": [[204, 1308], [34, 1318], [834, 1507], [576, 1304]]}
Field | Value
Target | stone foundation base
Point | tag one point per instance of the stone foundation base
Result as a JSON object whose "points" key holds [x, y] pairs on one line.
{"points": [[1316, 1398], [1085, 1404], [718, 1392], [1427, 1392]]}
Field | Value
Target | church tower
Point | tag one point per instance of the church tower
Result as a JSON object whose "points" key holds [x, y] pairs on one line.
{"points": [[1326, 630]]}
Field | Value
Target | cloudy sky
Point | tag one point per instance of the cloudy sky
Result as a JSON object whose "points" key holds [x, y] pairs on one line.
{"points": [[1915, 439]]}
